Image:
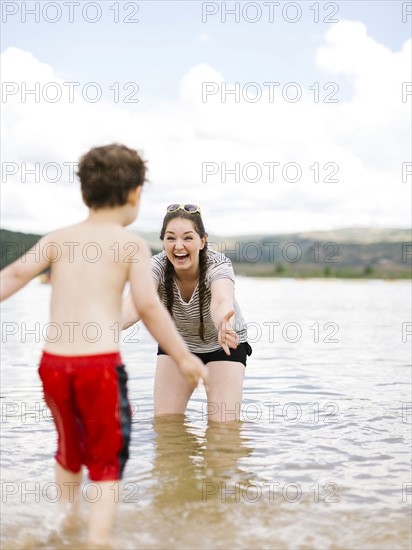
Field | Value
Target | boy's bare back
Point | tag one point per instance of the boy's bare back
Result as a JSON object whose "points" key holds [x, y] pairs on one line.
{"points": [[91, 262]]}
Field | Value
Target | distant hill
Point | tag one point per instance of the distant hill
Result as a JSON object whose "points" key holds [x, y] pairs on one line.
{"points": [[14, 244], [349, 252], [361, 235]]}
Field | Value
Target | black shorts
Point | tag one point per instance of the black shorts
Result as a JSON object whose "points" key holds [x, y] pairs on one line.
{"points": [[238, 355]]}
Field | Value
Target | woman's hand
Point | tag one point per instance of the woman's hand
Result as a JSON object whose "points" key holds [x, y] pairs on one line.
{"points": [[222, 310], [226, 333]]}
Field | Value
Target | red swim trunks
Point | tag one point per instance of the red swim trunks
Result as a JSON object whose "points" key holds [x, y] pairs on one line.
{"points": [[87, 396]]}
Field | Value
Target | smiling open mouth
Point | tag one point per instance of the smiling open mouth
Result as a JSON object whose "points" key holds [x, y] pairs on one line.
{"points": [[181, 257]]}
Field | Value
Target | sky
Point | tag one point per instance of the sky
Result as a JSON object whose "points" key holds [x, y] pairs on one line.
{"points": [[274, 117]]}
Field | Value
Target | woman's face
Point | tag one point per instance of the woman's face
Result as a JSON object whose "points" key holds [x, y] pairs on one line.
{"points": [[182, 245]]}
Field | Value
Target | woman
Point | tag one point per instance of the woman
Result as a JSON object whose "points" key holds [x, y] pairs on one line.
{"points": [[197, 287]]}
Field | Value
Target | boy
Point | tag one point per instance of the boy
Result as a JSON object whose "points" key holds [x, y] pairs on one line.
{"points": [[84, 381]]}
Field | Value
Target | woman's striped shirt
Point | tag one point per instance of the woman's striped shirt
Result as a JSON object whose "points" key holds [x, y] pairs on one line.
{"points": [[186, 314]]}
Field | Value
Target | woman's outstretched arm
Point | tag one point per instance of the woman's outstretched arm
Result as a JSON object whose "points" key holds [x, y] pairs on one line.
{"points": [[129, 314], [222, 310]]}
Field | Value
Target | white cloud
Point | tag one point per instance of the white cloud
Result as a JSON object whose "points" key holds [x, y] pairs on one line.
{"points": [[367, 137], [204, 37]]}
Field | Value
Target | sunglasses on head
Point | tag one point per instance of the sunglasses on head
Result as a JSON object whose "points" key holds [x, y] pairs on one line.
{"points": [[191, 208]]}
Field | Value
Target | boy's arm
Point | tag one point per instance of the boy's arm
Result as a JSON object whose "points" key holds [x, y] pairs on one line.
{"points": [[222, 310], [158, 321], [24, 269], [129, 313]]}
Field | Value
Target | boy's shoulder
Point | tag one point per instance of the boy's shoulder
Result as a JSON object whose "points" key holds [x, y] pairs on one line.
{"points": [[134, 245], [59, 236], [135, 237], [84, 230], [105, 238], [62, 232]]}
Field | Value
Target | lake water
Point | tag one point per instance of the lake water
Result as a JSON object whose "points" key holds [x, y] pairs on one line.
{"points": [[321, 458]]}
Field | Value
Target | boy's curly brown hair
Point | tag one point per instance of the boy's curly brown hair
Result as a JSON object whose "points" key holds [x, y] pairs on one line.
{"points": [[107, 175]]}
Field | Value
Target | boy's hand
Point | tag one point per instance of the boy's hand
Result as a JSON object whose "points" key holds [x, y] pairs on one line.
{"points": [[193, 370], [226, 334]]}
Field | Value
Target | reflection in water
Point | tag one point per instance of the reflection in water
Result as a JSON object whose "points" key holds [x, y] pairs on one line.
{"points": [[192, 467]]}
